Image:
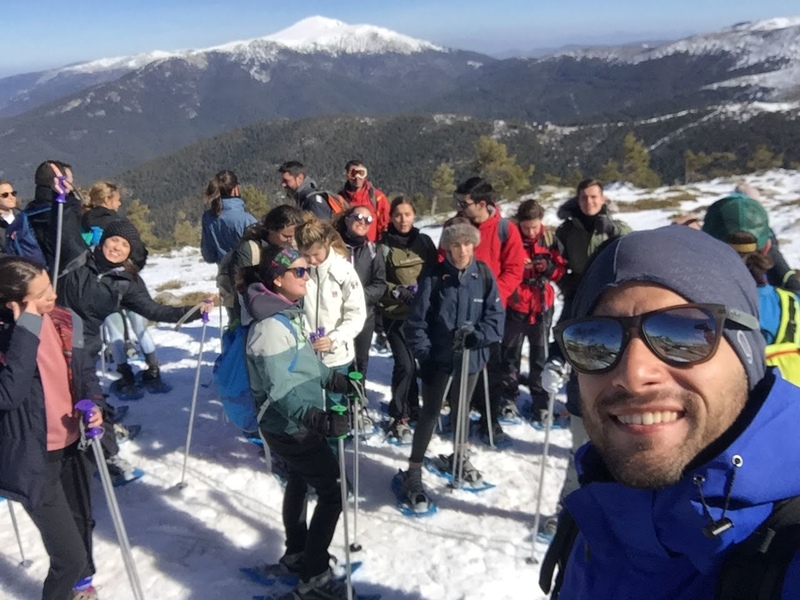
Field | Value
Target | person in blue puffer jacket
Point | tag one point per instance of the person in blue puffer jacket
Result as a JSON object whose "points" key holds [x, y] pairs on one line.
{"points": [[693, 440], [225, 220], [457, 306]]}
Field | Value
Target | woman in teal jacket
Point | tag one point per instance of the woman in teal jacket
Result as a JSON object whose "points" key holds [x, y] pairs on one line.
{"points": [[287, 381]]}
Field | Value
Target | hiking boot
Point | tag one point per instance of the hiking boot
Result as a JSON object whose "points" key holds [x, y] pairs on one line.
{"points": [[401, 431], [468, 471], [499, 436], [416, 497], [125, 387], [509, 410], [119, 468], [321, 587], [152, 382]]}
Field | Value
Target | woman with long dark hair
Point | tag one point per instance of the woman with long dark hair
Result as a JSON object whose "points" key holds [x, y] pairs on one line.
{"points": [[44, 371], [407, 253], [226, 218]]}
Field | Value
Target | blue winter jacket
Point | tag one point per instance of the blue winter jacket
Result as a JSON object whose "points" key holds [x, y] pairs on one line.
{"points": [[222, 234], [636, 544], [457, 299]]}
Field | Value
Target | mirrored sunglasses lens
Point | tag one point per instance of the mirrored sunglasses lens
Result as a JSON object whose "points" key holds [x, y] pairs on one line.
{"points": [[365, 218], [593, 345], [682, 335]]}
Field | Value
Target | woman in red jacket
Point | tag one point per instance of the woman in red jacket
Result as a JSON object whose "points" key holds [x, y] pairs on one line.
{"points": [[529, 312]]}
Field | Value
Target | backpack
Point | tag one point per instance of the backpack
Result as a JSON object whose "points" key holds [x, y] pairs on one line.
{"points": [[753, 570], [225, 276], [784, 352], [336, 202], [230, 377], [21, 240]]}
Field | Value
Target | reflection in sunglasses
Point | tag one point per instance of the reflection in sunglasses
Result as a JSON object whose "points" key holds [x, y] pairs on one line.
{"points": [[363, 218]]}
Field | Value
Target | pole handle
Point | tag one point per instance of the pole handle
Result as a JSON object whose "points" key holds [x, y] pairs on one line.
{"points": [[87, 407]]}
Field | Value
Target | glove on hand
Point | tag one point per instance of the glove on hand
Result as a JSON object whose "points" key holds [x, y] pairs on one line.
{"points": [[554, 376], [461, 334], [327, 423], [404, 293], [338, 383], [470, 341]]}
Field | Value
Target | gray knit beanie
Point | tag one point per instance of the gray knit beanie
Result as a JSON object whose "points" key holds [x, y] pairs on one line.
{"points": [[692, 264]]}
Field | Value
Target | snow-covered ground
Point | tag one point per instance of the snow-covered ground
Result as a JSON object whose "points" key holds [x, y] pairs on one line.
{"points": [[190, 544]]}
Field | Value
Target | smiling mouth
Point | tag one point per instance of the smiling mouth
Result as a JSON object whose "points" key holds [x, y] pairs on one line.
{"points": [[649, 418]]}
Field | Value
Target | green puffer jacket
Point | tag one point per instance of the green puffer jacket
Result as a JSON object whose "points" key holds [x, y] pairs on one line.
{"points": [[405, 258], [578, 239], [286, 377]]}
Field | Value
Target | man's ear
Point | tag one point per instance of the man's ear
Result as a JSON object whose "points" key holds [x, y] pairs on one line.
{"points": [[767, 247]]}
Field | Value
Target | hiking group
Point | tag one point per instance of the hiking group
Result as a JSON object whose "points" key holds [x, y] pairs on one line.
{"points": [[677, 484]]}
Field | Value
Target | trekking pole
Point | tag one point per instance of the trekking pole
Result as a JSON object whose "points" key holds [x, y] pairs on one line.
{"points": [[462, 421], [489, 422], [61, 199], [538, 516], [359, 400], [25, 563], [93, 435], [444, 397], [183, 483], [341, 409]]}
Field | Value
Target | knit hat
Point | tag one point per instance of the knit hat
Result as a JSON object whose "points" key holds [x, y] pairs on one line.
{"points": [[125, 229], [738, 214], [279, 264], [460, 233], [690, 263]]}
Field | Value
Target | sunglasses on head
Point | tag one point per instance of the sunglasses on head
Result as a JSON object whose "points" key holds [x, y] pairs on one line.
{"points": [[359, 173], [299, 272], [363, 218], [5, 195], [681, 336]]}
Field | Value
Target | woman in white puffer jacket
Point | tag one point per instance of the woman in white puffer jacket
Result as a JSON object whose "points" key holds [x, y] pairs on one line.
{"points": [[335, 299]]}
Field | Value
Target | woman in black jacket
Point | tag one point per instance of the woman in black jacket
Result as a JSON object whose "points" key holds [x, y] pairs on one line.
{"points": [[354, 226], [44, 371]]}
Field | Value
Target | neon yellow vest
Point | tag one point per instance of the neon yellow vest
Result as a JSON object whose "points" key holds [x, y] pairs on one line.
{"points": [[784, 352]]}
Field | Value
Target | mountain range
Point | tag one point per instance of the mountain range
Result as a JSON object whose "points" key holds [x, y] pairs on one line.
{"points": [[108, 115]]}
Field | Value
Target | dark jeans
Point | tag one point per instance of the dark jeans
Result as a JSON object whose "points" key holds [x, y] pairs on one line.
{"points": [[64, 519], [405, 392], [310, 462], [517, 329], [362, 344], [434, 383]]}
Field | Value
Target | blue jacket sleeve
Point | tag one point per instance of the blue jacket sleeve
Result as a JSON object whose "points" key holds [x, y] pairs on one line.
{"points": [[416, 327], [16, 378], [492, 323], [208, 243]]}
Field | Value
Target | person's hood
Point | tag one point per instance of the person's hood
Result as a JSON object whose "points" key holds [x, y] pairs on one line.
{"points": [[262, 304], [657, 524], [306, 187]]}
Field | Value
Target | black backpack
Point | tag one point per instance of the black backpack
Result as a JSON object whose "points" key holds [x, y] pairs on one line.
{"points": [[754, 569]]}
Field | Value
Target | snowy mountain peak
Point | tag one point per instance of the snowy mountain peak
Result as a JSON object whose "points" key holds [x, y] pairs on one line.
{"points": [[768, 24], [321, 34]]}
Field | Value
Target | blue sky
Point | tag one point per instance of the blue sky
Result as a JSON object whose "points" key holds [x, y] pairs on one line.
{"points": [[48, 33]]}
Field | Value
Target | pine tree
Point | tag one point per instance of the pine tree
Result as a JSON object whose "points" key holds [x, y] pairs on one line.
{"points": [[550, 179], [610, 172], [635, 166], [443, 184], [574, 178], [255, 201], [185, 233], [764, 160], [492, 162], [138, 214]]}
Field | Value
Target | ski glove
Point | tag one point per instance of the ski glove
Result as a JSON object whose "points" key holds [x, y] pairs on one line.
{"points": [[554, 376], [327, 423], [460, 337], [338, 383]]}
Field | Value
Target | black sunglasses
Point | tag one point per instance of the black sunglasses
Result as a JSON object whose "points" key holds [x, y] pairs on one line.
{"points": [[681, 336], [299, 272], [5, 195]]}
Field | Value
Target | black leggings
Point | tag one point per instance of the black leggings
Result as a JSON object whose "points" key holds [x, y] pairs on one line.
{"points": [[309, 462], [405, 392], [64, 519], [433, 386], [362, 344]]}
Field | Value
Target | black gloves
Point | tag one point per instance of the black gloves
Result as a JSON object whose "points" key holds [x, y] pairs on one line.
{"points": [[543, 265], [338, 383], [470, 341], [465, 337], [327, 423], [404, 293]]}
